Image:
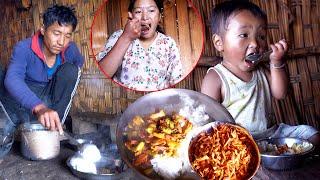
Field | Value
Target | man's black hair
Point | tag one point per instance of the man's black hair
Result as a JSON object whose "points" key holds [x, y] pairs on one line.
{"points": [[223, 11], [159, 4], [64, 15]]}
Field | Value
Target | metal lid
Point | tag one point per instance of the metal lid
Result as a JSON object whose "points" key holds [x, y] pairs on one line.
{"points": [[32, 127]]}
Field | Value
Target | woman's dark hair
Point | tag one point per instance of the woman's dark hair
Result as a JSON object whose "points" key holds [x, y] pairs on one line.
{"points": [[64, 15], [223, 11], [159, 4]]}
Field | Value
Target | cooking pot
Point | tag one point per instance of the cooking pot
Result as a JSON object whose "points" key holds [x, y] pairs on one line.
{"points": [[170, 100], [39, 143]]}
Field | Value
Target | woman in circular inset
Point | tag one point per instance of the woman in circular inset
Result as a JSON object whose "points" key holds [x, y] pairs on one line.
{"points": [[141, 56]]}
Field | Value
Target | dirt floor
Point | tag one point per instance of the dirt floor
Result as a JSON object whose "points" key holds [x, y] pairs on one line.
{"points": [[15, 166]]}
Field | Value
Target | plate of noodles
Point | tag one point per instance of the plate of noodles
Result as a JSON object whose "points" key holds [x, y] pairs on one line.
{"points": [[223, 151], [153, 133]]}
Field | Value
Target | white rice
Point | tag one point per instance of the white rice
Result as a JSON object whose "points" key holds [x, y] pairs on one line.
{"points": [[83, 165], [174, 167], [195, 112], [90, 152], [86, 158], [167, 167]]}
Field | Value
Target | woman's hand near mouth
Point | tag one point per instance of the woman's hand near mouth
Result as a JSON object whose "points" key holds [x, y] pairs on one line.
{"points": [[132, 30], [111, 62]]}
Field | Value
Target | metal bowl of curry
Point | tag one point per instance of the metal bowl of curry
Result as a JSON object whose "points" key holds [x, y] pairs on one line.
{"points": [[284, 153], [153, 131]]}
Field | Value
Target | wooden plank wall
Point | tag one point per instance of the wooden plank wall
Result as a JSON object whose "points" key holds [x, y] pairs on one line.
{"points": [[305, 69], [15, 25]]}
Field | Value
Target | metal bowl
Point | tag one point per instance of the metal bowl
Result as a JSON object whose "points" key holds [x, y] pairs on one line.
{"points": [[110, 166], [39, 143], [170, 101], [255, 160], [91, 176], [283, 161], [78, 142]]}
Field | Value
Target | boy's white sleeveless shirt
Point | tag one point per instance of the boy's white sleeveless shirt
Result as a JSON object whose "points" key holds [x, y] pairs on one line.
{"points": [[249, 103]]}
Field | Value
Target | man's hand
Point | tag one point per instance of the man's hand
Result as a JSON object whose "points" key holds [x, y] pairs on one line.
{"points": [[48, 118], [132, 30]]}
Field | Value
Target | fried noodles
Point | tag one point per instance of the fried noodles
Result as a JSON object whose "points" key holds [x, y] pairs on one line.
{"points": [[224, 152]]}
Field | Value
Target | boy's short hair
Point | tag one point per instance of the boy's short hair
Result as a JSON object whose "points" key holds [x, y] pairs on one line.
{"points": [[64, 15], [223, 11]]}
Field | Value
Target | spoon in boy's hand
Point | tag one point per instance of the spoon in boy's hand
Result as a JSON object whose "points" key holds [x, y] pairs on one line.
{"points": [[255, 57]]}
